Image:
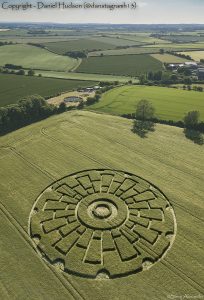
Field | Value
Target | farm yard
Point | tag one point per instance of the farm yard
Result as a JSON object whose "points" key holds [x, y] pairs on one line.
{"points": [[14, 87], [130, 65], [76, 95], [170, 104], [49, 150]]}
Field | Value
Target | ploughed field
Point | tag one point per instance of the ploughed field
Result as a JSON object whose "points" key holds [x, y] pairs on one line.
{"points": [[105, 220], [15, 87], [170, 103]]}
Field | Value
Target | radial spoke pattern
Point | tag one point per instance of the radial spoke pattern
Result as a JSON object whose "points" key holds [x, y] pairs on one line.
{"points": [[99, 222]]}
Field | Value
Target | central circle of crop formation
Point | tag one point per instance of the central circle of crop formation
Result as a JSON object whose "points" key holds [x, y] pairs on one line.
{"points": [[102, 211], [98, 222]]}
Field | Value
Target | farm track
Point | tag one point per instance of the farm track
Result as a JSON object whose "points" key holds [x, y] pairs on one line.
{"points": [[88, 130], [79, 61], [16, 225], [178, 272], [47, 174]]}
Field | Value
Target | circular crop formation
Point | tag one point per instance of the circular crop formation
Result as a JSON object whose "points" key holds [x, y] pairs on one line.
{"points": [[102, 223]]}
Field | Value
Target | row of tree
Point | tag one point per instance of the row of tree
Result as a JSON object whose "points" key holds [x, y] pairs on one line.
{"points": [[17, 71], [145, 111], [165, 78]]}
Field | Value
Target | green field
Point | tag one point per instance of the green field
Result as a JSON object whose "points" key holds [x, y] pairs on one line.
{"points": [[115, 40], [14, 87], [92, 43], [35, 58], [130, 65], [176, 46], [84, 76], [77, 45], [170, 104], [196, 55], [34, 157], [125, 51], [183, 38], [141, 37]]}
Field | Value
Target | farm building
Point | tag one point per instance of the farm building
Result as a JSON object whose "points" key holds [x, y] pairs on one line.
{"points": [[175, 66], [191, 65], [201, 73], [89, 89], [72, 99]]}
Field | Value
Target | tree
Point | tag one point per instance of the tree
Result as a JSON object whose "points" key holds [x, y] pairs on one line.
{"points": [[187, 81], [161, 51], [76, 54], [174, 77], [31, 73], [150, 75], [191, 119], [26, 111], [158, 75], [144, 110], [20, 72], [142, 79]]}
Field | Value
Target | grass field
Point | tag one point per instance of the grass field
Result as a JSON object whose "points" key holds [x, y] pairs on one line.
{"points": [[170, 104], [78, 45], [84, 76], [196, 55], [184, 38], [141, 37], [14, 87], [115, 40], [35, 156], [130, 65], [125, 51], [168, 58], [177, 46], [35, 58]]}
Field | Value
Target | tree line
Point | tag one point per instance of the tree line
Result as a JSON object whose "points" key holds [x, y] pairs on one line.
{"points": [[145, 112], [28, 110]]}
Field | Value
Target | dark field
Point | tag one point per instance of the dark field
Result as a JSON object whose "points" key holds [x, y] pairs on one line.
{"points": [[14, 87], [130, 65]]}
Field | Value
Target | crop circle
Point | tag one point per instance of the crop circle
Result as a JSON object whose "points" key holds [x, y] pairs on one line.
{"points": [[102, 221]]}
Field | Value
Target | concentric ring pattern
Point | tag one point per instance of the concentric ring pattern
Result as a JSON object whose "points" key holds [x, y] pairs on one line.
{"points": [[102, 221]]}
